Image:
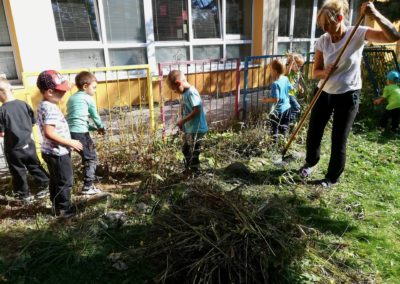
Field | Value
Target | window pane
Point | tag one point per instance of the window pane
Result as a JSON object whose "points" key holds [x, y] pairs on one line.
{"points": [[283, 47], [239, 17], [119, 57], [75, 20], [172, 54], [7, 65], [207, 52], [303, 18], [75, 59], [301, 47], [319, 31], [4, 36], [238, 51], [170, 19], [284, 18], [205, 17], [124, 20]]}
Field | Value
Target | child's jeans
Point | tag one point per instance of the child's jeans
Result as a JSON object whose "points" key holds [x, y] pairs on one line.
{"points": [[191, 150], [61, 180], [19, 161], [279, 123], [89, 157], [294, 108], [394, 115]]}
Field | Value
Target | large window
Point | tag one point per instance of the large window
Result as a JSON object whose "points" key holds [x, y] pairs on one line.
{"points": [[75, 20], [298, 31], [115, 29], [7, 62], [170, 19], [124, 20], [97, 33], [206, 18]]}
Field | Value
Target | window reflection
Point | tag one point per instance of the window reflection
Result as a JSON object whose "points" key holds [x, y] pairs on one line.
{"points": [[206, 18]]}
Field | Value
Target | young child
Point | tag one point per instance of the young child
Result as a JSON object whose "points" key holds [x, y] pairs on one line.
{"points": [[294, 63], [280, 117], [16, 121], [57, 142], [391, 93], [80, 108], [193, 122]]}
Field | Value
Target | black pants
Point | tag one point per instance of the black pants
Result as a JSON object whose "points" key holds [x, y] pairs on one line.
{"points": [[61, 179], [344, 108], [191, 150], [19, 161], [394, 115], [89, 157], [279, 123]]}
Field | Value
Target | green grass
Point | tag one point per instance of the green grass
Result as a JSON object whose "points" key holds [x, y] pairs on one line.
{"points": [[350, 234]]}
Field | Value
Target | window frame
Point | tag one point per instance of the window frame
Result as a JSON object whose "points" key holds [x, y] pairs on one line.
{"points": [[151, 44], [313, 39], [11, 48]]}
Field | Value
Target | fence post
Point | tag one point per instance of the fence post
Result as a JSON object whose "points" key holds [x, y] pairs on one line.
{"points": [[246, 75], [150, 98], [237, 95]]}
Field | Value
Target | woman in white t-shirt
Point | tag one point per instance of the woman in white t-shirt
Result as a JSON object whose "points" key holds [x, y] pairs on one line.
{"points": [[340, 95]]}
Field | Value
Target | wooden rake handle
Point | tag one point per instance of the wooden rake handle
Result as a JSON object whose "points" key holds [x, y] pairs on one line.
{"points": [[316, 96]]}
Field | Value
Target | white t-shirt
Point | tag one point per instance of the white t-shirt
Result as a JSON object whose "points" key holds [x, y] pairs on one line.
{"points": [[347, 76]]}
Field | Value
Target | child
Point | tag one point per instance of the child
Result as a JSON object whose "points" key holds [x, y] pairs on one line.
{"points": [[392, 94], [16, 121], [57, 142], [193, 122], [280, 88], [80, 107], [294, 63]]}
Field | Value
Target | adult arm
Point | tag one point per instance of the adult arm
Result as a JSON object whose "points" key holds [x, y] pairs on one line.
{"points": [[388, 32]]}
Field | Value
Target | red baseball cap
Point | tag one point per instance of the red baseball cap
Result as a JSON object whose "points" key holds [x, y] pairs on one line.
{"points": [[52, 80]]}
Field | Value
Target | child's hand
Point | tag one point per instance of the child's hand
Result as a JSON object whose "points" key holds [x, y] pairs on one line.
{"points": [[101, 131], [76, 145], [378, 101], [180, 124], [2, 134]]}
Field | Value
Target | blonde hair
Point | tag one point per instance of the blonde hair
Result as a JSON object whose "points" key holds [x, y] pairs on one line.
{"points": [[173, 76], [330, 10], [298, 58], [5, 87]]}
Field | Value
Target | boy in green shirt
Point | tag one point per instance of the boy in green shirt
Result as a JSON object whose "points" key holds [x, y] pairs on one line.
{"points": [[80, 107], [391, 93]]}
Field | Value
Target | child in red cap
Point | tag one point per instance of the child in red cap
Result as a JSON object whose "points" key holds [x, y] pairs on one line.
{"points": [[57, 143]]}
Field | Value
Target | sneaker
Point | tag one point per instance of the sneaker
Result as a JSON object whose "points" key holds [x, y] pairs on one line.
{"points": [[42, 194], [324, 183], [90, 190], [306, 171], [64, 213], [24, 198]]}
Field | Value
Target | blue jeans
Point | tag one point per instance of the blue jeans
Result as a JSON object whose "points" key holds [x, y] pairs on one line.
{"points": [[89, 157], [294, 108]]}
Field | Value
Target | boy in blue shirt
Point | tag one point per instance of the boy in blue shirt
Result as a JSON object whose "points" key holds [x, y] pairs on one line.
{"points": [[80, 108], [193, 122], [280, 117]]}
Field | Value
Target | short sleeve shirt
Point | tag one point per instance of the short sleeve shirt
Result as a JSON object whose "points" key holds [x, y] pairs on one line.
{"points": [[191, 99], [392, 94], [280, 90], [347, 77], [49, 114]]}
